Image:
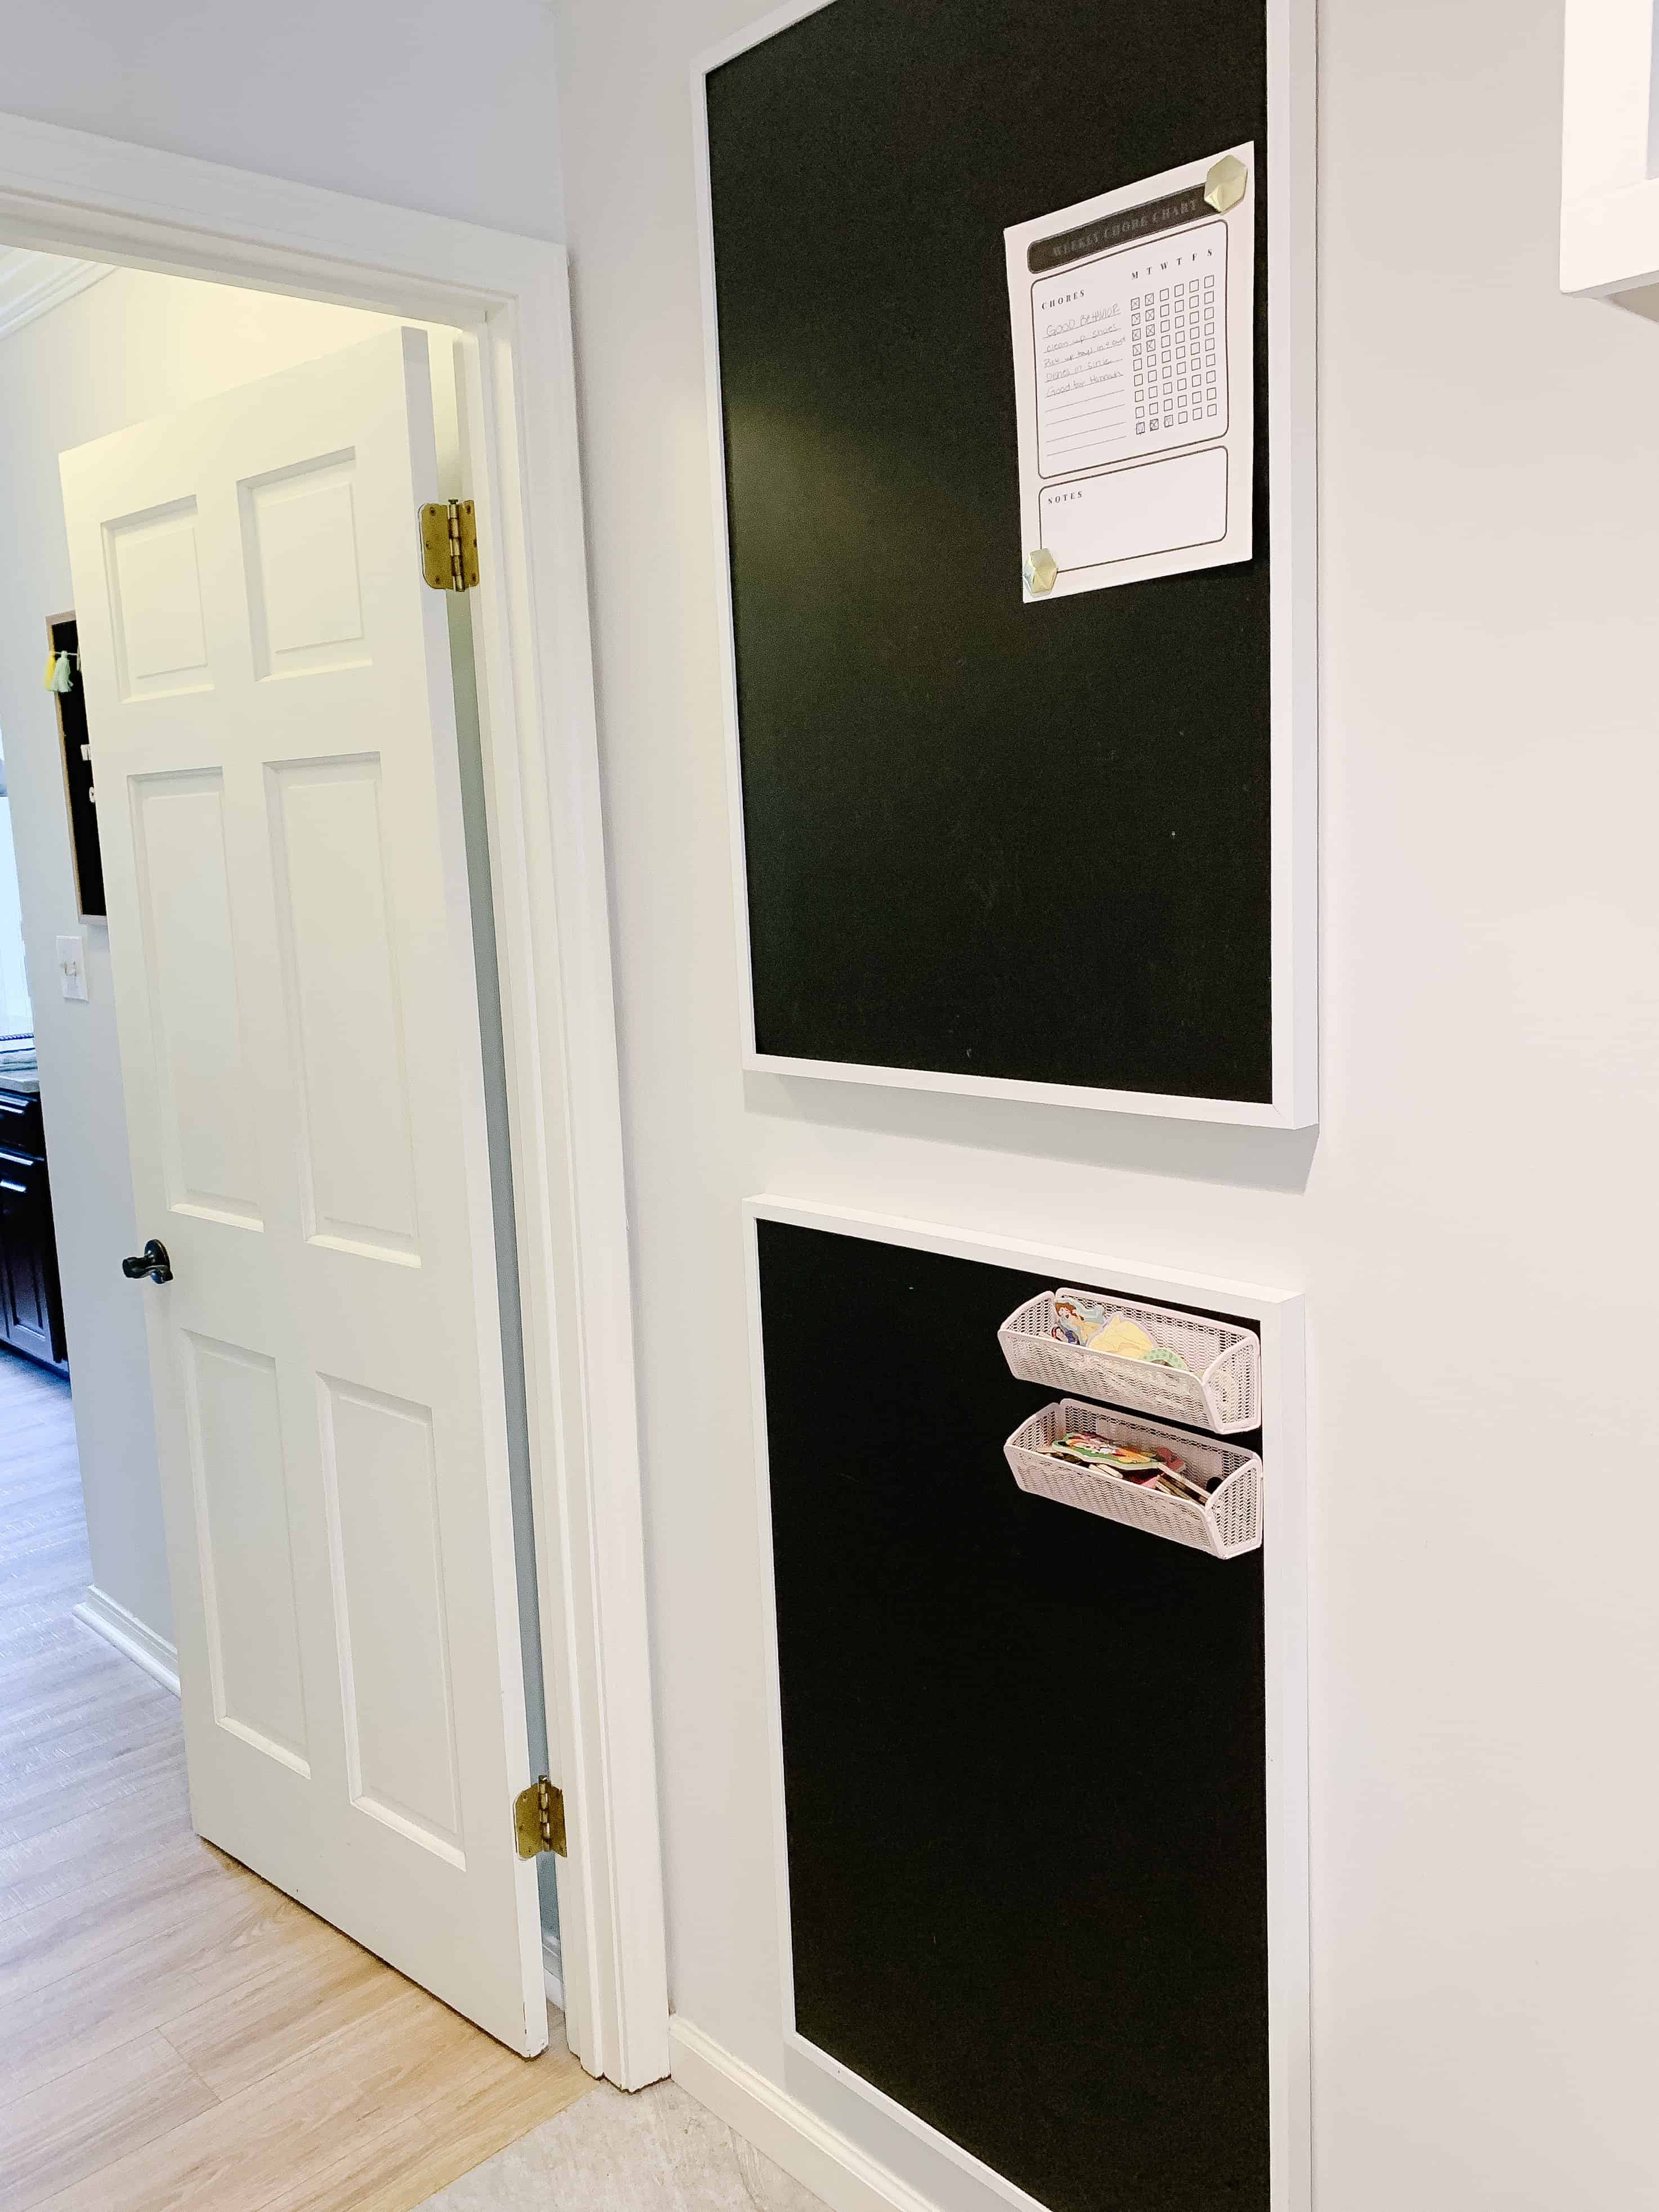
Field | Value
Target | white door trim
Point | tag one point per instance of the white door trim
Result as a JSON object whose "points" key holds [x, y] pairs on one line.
{"points": [[68, 192]]}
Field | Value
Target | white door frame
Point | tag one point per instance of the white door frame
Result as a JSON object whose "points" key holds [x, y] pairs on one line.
{"points": [[68, 192]]}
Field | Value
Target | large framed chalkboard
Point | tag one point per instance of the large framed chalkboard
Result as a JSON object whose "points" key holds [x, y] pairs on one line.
{"points": [[1060, 850], [1040, 1779]]}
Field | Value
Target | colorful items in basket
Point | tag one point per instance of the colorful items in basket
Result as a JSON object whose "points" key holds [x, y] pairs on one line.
{"points": [[1149, 1467], [1084, 1321]]}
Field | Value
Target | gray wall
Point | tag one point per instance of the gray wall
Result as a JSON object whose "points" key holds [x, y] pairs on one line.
{"points": [[1469, 1224], [428, 106]]}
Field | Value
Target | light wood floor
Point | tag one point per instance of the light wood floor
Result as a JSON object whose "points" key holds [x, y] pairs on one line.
{"points": [[174, 2033]]}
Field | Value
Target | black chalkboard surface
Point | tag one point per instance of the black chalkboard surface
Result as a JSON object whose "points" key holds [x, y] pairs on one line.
{"points": [[982, 838], [1023, 1754]]}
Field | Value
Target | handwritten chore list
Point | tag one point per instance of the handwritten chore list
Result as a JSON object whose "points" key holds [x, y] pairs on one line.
{"points": [[1131, 322]]}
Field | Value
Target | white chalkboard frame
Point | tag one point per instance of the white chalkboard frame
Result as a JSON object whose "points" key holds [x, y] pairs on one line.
{"points": [[841, 2100], [1291, 280]]}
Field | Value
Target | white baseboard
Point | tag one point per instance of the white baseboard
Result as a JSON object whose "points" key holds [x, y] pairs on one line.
{"points": [[553, 1969], [818, 2156], [158, 1658]]}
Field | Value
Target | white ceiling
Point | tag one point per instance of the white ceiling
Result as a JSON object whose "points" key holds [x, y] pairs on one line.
{"points": [[32, 284]]}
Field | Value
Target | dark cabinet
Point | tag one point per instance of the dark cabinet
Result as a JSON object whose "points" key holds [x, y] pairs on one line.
{"points": [[30, 1303]]}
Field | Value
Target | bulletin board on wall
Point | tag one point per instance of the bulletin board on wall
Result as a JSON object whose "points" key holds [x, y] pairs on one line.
{"points": [[994, 832], [1039, 1776], [80, 796]]}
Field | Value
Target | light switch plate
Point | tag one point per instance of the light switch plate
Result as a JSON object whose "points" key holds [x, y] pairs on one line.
{"points": [[71, 967]]}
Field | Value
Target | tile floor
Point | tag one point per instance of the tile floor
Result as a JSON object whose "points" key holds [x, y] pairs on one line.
{"points": [[657, 2151]]}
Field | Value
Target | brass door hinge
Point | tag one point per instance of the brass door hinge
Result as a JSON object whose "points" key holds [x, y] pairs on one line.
{"points": [[538, 1819], [449, 545]]}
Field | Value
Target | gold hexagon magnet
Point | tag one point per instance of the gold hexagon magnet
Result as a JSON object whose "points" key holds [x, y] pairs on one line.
{"points": [[1040, 568], [1223, 186]]}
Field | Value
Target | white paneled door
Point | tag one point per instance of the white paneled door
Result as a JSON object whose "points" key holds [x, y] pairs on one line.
{"points": [[269, 690]]}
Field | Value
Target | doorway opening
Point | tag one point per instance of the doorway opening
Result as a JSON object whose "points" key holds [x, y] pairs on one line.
{"points": [[70, 194], [156, 1069]]}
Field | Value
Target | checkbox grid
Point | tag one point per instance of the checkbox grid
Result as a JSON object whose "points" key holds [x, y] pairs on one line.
{"points": [[1173, 351]]}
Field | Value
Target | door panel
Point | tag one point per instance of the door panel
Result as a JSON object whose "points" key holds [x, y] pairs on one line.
{"points": [[400, 1717], [268, 695], [337, 958], [304, 594], [247, 1561], [159, 630], [206, 1125]]}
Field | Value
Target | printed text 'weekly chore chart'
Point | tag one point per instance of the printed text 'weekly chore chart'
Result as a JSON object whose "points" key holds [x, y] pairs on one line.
{"points": [[1131, 322]]}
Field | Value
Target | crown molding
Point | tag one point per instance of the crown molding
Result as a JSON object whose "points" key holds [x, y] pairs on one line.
{"points": [[32, 284]]}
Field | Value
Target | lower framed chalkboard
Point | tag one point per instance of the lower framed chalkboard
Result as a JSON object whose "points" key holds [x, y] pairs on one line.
{"points": [[1040, 1779]]}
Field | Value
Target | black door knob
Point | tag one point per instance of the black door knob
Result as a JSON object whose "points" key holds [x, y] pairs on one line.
{"points": [[152, 1262]]}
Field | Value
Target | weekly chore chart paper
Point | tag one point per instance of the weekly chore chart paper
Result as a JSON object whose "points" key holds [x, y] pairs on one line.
{"points": [[1130, 319]]}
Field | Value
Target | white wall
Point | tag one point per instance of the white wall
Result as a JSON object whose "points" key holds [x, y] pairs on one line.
{"points": [[420, 103], [134, 346], [1485, 1634]]}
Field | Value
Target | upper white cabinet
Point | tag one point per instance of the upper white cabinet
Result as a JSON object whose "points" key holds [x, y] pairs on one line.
{"points": [[1610, 151]]}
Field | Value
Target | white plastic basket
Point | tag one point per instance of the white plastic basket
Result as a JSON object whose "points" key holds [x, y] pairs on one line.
{"points": [[1229, 1522], [1221, 1389]]}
